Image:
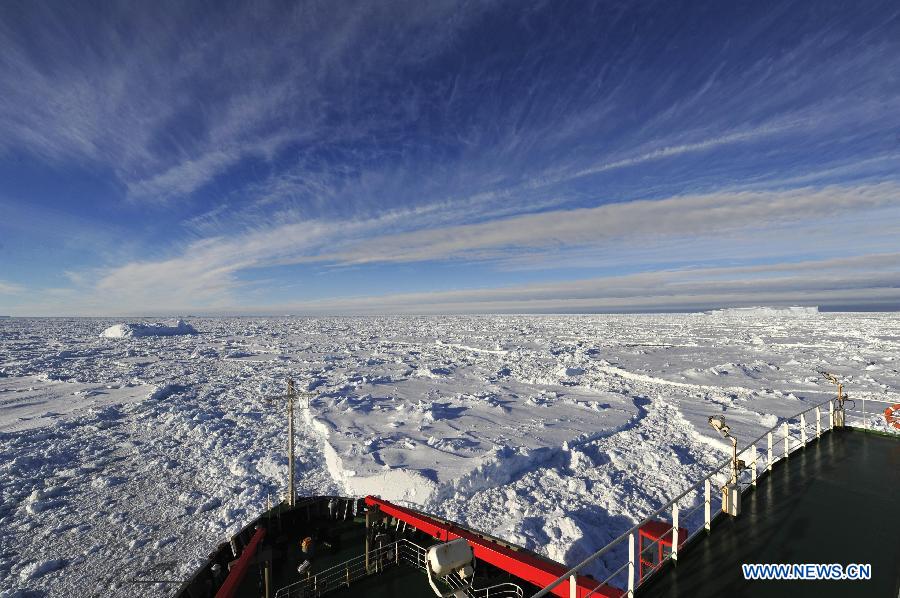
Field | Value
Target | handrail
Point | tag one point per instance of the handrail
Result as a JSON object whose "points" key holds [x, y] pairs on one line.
{"points": [[236, 575], [344, 573], [341, 573], [590, 559], [499, 591], [781, 423]]}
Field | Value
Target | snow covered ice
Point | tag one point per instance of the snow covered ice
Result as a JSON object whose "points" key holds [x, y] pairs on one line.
{"points": [[132, 457]]}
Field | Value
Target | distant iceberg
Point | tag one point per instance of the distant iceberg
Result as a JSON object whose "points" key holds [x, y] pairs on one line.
{"points": [[136, 330], [765, 311]]}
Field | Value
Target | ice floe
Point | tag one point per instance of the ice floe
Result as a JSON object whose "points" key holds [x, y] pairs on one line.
{"points": [[132, 330]]}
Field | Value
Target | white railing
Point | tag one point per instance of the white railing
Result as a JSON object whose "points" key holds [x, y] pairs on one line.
{"points": [[867, 412], [380, 559], [774, 445], [501, 590]]}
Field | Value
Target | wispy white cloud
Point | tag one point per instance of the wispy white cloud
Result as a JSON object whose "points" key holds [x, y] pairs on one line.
{"points": [[686, 148], [863, 281], [207, 274], [693, 215], [377, 133], [189, 99], [10, 288], [182, 100]]}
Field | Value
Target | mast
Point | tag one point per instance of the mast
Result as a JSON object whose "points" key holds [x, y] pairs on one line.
{"points": [[290, 414]]}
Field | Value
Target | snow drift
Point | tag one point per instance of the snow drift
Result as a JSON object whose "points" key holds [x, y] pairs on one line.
{"points": [[136, 330]]}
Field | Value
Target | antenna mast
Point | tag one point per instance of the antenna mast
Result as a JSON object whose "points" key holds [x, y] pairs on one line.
{"points": [[290, 414]]}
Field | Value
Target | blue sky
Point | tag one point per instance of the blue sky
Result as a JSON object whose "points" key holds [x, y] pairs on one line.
{"points": [[381, 157]]}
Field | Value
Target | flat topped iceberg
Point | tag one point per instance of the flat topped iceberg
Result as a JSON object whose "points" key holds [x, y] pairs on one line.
{"points": [[135, 330], [765, 311]]}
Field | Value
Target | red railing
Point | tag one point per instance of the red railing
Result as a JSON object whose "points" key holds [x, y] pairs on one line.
{"points": [[239, 569], [524, 565]]}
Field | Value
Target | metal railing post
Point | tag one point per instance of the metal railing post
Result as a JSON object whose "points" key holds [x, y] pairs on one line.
{"points": [[818, 422], [787, 437], [771, 460], [865, 426], [706, 510], [631, 565], [755, 469], [573, 587], [675, 532], [803, 428]]}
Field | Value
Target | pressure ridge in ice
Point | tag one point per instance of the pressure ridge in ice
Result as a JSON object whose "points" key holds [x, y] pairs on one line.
{"points": [[131, 330]]}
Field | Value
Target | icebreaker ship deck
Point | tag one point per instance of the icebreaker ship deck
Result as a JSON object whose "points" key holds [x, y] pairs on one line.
{"points": [[836, 501], [821, 488]]}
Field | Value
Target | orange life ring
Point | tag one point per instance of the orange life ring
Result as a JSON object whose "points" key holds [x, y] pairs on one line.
{"points": [[892, 415]]}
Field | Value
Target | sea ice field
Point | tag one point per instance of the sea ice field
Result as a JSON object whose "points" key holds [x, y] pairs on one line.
{"points": [[127, 457]]}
